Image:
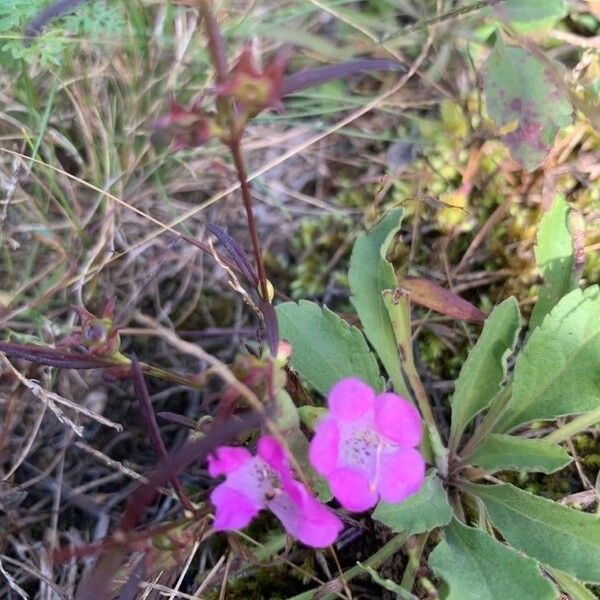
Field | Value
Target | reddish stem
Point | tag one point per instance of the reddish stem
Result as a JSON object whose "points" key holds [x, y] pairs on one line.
{"points": [[238, 159]]}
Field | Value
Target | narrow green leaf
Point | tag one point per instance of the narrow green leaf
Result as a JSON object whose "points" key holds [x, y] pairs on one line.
{"points": [[478, 567], [370, 274], [485, 368], [558, 371], [499, 451], [561, 537], [554, 258], [524, 94], [427, 509], [325, 347]]}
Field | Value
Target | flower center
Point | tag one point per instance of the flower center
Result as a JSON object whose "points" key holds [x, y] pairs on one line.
{"points": [[268, 480]]}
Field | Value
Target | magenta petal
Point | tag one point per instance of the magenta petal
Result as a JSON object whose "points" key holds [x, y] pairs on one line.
{"points": [[304, 518], [350, 398], [352, 489], [272, 452], [226, 459], [324, 447], [401, 474], [398, 420], [320, 526], [233, 509]]}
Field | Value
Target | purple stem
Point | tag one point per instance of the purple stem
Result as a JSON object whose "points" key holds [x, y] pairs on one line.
{"points": [[141, 391]]}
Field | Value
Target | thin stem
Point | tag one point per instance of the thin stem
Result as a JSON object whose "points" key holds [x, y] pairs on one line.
{"points": [[216, 44], [418, 388], [414, 560], [240, 167], [216, 47]]}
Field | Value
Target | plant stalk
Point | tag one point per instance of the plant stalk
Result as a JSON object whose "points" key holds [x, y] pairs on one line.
{"points": [[238, 159]]}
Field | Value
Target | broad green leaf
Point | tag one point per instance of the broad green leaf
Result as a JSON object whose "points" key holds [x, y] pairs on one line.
{"points": [[427, 509], [525, 96], [527, 11], [558, 371], [370, 274], [484, 370], [388, 584], [499, 451], [554, 258], [478, 567], [325, 347], [561, 537]]}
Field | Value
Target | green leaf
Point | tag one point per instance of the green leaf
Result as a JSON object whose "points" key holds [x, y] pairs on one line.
{"points": [[554, 258], [325, 347], [499, 451], [485, 368], [527, 11], [524, 94], [574, 588], [478, 567], [370, 274], [558, 371], [427, 509], [561, 537]]}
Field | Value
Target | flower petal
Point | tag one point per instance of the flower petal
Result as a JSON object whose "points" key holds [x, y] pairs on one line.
{"points": [[226, 459], [306, 519], [401, 474], [350, 398], [320, 526], [272, 452], [398, 420], [352, 489], [233, 509], [324, 447]]}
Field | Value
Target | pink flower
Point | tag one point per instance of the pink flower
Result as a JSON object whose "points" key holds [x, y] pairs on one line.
{"points": [[265, 481], [365, 447]]}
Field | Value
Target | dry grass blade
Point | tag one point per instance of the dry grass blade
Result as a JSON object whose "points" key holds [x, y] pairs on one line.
{"points": [[52, 398]]}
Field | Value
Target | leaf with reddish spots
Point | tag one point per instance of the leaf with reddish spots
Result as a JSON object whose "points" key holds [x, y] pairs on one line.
{"points": [[431, 295], [525, 98]]}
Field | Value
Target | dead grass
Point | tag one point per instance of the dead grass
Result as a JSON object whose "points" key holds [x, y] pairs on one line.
{"points": [[90, 210]]}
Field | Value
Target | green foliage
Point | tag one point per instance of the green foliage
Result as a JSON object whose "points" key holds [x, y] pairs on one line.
{"points": [[499, 451], [553, 534], [554, 258], [426, 510], [325, 348], [478, 567], [484, 370], [528, 11], [524, 95], [557, 373], [97, 20], [370, 274]]}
